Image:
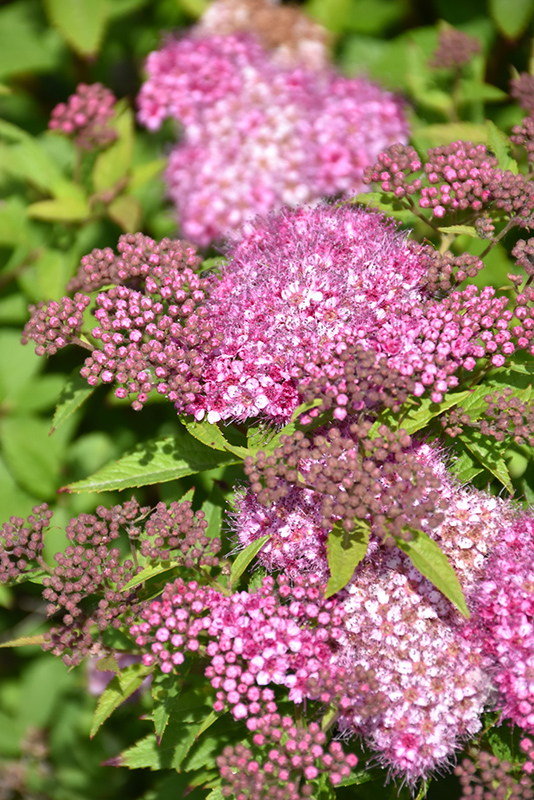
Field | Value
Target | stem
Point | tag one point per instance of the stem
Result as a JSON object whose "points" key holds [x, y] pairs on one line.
{"points": [[511, 224], [81, 343]]}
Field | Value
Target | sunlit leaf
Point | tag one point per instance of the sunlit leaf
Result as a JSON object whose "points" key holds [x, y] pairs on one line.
{"points": [[244, 559], [426, 555], [345, 550], [119, 689]]}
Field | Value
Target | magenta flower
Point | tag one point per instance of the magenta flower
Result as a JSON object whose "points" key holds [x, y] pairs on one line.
{"points": [[258, 136], [85, 116]]}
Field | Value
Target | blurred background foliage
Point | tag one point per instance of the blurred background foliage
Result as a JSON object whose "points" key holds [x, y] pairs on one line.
{"points": [[56, 207]]}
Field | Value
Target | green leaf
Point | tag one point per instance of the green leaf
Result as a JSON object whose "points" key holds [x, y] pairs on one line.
{"points": [[448, 132], [119, 689], [166, 694], [113, 165], [156, 461], [244, 558], [22, 641], [345, 550], [459, 229], [511, 16], [426, 555], [500, 741], [26, 46], [74, 393], [31, 456], [143, 173], [490, 454], [60, 210], [417, 417], [212, 436], [499, 144], [126, 211], [148, 572], [80, 22], [464, 466], [383, 202], [14, 227]]}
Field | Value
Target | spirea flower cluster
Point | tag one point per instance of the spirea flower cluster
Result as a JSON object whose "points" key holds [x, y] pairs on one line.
{"points": [[85, 116], [257, 136]]}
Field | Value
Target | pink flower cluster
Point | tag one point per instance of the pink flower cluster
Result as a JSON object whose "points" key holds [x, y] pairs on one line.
{"points": [[252, 639], [85, 116], [436, 670], [257, 136]]}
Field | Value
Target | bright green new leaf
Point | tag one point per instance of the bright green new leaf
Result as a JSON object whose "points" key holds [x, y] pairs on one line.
{"points": [[143, 173], [382, 202], [126, 211], [244, 558], [151, 571], [39, 638], [459, 229], [81, 23], [74, 393], [119, 689], [426, 555], [344, 551], [114, 163], [511, 16], [156, 461], [490, 454], [212, 436], [500, 145], [60, 210], [448, 132]]}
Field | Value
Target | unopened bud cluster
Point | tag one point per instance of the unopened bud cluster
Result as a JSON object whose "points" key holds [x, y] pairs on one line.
{"points": [[85, 116]]}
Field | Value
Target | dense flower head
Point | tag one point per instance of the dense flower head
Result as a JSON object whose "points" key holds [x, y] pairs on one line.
{"points": [[430, 665], [291, 36], [259, 136], [56, 324], [282, 634], [85, 116], [350, 476], [22, 543], [282, 761], [486, 776], [505, 608], [505, 415], [294, 287], [455, 48]]}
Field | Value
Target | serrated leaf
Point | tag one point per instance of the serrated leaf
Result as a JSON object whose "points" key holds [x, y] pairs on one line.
{"points": [[74, 393], [244, 559], [177, 741], [464, 466], [426, 555], [156, 461], [344, 551], [80, 22], [60, 210], [511, 16], [499, 144], [166, 694], [107, 664], [212, 436], [151, 571], [126, 211], [119, 689], [382, 202], [419, 416], [113, 165], [22, 641], [467, 230], [490, 454], [500, 742]]}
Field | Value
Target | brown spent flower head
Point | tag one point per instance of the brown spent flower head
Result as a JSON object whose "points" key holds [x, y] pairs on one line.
{"points": [[294, 37], [522, 90], [354, 476], [454, 49]]}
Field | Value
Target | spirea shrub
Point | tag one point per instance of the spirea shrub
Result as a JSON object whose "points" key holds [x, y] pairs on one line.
{"points": [[345, 594]]}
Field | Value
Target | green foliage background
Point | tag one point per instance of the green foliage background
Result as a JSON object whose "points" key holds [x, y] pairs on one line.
{"points": [[55, 208]]}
